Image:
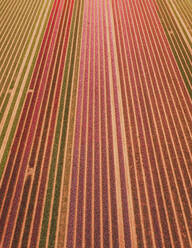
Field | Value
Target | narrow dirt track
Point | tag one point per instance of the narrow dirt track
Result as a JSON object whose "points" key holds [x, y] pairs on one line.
{"points": [[95, 123]]}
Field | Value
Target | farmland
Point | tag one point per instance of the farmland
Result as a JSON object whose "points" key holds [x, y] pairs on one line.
{"points": [[95, 123]]}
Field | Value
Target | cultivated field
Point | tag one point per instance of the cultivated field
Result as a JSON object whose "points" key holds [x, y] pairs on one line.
{"points": [[96, 123]]}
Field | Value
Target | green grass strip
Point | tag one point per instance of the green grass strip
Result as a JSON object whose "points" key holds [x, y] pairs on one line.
{"points": [[177, 49], [8, 145], [183, 29], [5, 11], [68, 68], [4, 106], [185, 12], [17, 59], [10, 27]]}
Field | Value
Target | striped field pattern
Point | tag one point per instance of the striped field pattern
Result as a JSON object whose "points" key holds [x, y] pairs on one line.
{"points": [[96, 123]]}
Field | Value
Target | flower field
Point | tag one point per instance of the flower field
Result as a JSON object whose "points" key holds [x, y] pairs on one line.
{"points": [[96, 123]]}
